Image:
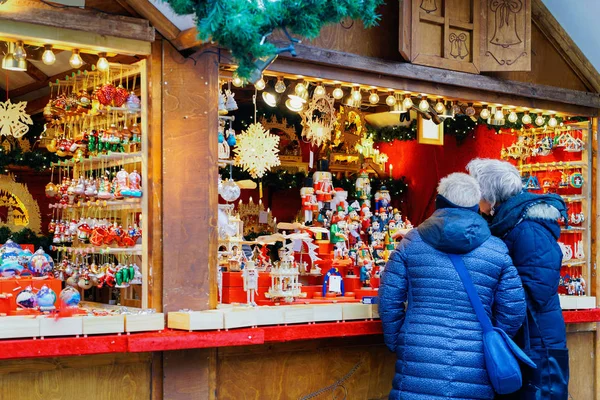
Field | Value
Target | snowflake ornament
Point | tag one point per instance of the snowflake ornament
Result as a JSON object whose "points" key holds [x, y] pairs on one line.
{"points": [[14, 119], [257, 150]]}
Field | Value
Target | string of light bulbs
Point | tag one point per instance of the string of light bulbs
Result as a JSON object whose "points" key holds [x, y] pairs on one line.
{"points": [[397, 102], [15, 58]]}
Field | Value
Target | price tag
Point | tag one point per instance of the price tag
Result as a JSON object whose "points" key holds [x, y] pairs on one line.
{"points": [[263, 217], [335, 284]]}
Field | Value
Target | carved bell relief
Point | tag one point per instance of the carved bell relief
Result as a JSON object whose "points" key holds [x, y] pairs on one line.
{"points": [[428, 6], [505, 22], [458, 45]]}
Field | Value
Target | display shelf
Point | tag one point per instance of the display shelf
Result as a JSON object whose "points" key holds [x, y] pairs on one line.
{"points": [[572, 229], [135, 250], [573, 263], [573, 199], [110, 205], [553, 165], [104, 160], [177, 340]]}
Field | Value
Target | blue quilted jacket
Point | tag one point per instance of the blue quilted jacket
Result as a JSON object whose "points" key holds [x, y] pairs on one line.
{"points": [[437, 337], [528, 225]]}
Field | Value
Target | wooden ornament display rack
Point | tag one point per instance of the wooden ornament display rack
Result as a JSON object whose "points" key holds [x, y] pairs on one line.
{"points": [[578, 200], [132, 158]]}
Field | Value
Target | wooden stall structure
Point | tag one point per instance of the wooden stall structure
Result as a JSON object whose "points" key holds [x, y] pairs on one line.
{"points": [[182, 174]]}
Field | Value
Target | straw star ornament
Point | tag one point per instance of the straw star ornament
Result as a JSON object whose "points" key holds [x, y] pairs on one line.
{"points": [[257, 151]]}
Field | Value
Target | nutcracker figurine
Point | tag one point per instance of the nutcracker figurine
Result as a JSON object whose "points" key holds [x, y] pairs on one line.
{"points": [[309, 203], [338, 237], [340, 198], [382, 198], [363, 185], [250, 276], [323, 188]]}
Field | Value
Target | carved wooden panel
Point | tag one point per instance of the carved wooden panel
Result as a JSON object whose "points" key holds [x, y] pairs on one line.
{"points": [[444, 33], [506, 35]]}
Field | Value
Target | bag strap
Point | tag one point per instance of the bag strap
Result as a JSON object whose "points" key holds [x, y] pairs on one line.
{"points": [[465, 277]]}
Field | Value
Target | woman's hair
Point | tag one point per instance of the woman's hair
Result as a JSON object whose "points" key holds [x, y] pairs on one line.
{"points": [[498, 180], [460, 189]]}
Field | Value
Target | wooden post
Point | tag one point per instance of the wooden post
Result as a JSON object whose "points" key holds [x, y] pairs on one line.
{"points": [[189, 195]]}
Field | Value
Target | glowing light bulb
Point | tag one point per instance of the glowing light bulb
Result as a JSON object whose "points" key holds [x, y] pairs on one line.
{"points": [[102, 63], [270, 99], [300, 89], [526, 118], [319, 90], [75, 60], [280, 85], [407, 102], [19, 52], [260, 84], [539, 120], [338, 93], [440, 107], [552, 122], [390, 100], [48, 57], [485, 112], [295, 103], [499, 114], [237, 81], [356, 96], [373, 97], [424, 104], [512, 117]]}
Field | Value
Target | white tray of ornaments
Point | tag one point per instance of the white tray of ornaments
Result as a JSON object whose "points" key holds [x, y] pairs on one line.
{"points": [[230, 316], [577, 302], [26, 327]]}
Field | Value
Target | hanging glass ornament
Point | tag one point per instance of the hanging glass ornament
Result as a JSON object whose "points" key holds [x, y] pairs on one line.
{"points": [[230, 191]]}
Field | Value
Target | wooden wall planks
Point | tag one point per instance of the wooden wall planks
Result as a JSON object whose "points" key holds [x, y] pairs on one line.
{"points": [[581, 364], [102, 377], [548, 66], [293, 370]]}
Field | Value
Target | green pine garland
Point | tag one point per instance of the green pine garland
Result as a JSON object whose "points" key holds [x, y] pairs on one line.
{"points": [[391, 133], [241, 25], [26, 236], [37, 160], [282, 180]]}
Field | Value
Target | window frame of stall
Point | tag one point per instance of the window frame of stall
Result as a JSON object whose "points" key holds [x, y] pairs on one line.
{"points": [[314, 65], [89, 41]]}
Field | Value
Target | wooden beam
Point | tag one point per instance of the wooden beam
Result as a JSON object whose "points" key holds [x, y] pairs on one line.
{"points": [[128, 8], [374, 66], [67, 39], [158, 19], [187, 39], [36, 12], [35, 72], [560, 39]]}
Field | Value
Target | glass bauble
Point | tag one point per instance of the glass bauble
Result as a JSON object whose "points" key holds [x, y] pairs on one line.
{"points": [[230, 191], [70, 297], [26, 298], [46, 297]]}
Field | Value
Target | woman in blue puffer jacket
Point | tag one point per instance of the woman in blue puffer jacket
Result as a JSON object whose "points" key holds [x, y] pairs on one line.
{"points": [[528, 224], [437, 337]]}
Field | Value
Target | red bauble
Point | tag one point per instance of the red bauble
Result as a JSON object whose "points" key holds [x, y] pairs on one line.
{"points": [[120, 96], [106, 94]]}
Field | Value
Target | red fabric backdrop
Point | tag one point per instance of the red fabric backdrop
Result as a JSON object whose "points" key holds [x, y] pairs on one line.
{"points": [[424, 165]]}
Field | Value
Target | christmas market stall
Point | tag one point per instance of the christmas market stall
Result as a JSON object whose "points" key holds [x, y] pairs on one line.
{"points": [[193, 193]]}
